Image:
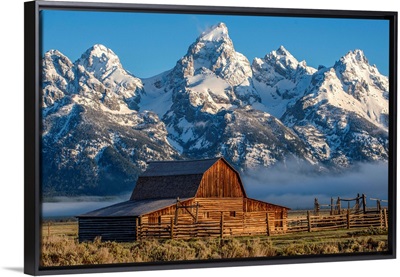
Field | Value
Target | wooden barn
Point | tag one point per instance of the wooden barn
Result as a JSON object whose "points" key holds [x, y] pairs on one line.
{"points": [[184, 199]]}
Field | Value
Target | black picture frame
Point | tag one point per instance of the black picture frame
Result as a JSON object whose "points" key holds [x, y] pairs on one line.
{"points": [[32, 136]]}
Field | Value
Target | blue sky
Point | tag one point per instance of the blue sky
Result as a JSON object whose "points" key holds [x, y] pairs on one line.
{"points": [[148, 44]]}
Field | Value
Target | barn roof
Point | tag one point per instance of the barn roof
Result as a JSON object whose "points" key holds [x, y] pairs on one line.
{"points": [[132, 208], [256, 200], [184, 167], [172, 179], [183, 186]]}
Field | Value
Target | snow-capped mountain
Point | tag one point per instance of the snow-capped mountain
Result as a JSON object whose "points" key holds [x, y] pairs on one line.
{"points": [[364, 82], [280, 80], [343, 113], [100, 64], [101, 123], [94, 139], [206, 84], [212, 76], [97, 75]]}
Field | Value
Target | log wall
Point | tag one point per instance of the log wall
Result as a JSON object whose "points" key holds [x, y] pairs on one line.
{"points": [[120, 229], [168, 212], [210, 210]]}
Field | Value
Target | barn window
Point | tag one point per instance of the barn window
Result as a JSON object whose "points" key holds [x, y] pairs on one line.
{"points": [[207, 215], [232, 213]]}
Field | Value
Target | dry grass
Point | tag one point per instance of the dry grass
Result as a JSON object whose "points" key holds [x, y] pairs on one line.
{"points": [[61, 248]]}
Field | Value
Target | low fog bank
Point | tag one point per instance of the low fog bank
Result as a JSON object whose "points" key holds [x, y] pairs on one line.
{"points": [[296, 188], [73, 206]]}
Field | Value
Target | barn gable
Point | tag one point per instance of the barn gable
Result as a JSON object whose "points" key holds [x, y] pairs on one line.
{"points": [[221, 180]]}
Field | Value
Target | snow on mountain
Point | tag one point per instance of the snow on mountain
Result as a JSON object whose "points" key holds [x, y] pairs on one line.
{"points": [[100, 61], [253, 138], [343, 114], [57, 77], [156, 97], [364, 82], [212, 75], [280, 80], [104, 65], [89, 149], [210, 80], [214, 50], [97, 75]]}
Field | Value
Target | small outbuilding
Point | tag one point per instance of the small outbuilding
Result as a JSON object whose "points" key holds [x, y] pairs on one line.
{"points": [[184, 197]]}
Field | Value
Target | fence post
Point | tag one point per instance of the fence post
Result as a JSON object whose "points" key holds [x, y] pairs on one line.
{"points": [[176, 210], [222, 225], [331, 205], [385, 217], [316, 206], [309, 221], [267, 223], [172, 228], [358, 204], [364, 203], [348, 218], [339, 206]]}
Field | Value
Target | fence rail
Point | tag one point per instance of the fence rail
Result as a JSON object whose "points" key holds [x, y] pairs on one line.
{"points": [[260, 225]]}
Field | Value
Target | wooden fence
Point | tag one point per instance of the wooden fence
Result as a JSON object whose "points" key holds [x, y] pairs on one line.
{"points": [[255, 224], [345, 220]]}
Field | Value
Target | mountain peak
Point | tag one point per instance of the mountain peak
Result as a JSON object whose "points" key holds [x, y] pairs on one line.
{"points": [[215, 33], [214, 50], [99, 60], [355, 56], [99, 50], [53, 52], [282, 51], [282, 58]]}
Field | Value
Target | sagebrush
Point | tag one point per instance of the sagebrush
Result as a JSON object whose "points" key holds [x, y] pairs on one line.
{"points": [[66, 251]]}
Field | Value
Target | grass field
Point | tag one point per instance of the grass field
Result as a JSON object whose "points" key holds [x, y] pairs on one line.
{"points": [[60, 246]]}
